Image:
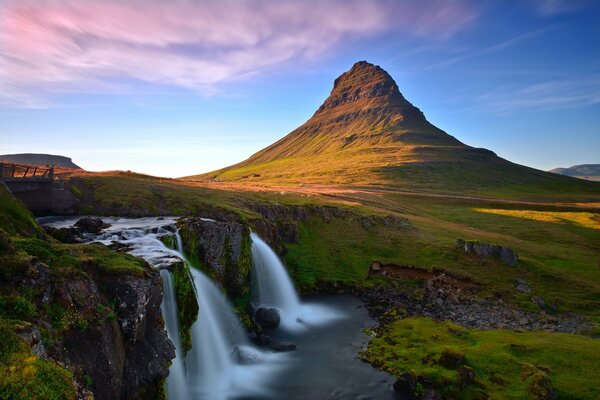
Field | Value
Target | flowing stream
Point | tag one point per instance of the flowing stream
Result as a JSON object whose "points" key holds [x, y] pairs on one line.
{"points": [[222, 364]]}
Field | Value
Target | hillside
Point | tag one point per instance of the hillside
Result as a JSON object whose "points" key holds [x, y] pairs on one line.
{"points": [[367, 134], [39, 159], [584, 171]]}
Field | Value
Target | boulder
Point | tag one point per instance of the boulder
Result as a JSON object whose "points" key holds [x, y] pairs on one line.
{"points": [[267, 318], [65, 235], [91, 225], [522, 286], [282, 346], [486, 250]]}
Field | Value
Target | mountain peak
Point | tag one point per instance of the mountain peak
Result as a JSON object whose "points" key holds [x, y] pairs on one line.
{"points": [[368, 88]]}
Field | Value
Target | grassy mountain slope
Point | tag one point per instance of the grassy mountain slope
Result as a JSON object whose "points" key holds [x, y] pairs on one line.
{"points": [[367, 134]]}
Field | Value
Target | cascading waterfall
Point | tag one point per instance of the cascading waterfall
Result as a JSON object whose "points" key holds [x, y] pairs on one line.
{"points": [[221, 364], [176, 385], [274, 288]]}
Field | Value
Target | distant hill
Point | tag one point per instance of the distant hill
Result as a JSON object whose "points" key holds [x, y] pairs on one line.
{"points": [[584, 171], [367, 134], [39, 159]]}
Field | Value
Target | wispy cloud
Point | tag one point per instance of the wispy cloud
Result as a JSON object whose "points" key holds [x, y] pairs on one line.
{"points": [[468, 54], [556, 7], [549, 95], [49, 46]]}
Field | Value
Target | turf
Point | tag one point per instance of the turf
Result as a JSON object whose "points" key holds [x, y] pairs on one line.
{"points": [[507, 364]]}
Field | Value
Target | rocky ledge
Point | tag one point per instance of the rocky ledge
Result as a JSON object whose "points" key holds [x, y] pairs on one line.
{"points": [[104, 324], [453, 298]]}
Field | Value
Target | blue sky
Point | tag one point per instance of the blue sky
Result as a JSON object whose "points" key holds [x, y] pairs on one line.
{"points": [[177, 88]]}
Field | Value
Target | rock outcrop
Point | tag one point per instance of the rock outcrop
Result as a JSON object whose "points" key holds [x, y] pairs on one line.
{"points": [[106, 327], [506, 254], [221, 249]]}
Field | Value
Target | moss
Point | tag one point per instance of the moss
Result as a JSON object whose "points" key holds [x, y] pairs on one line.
{"points": [[76, 191], [17, 308], [15, 219], [25, 376], [170, 241], [187, 305], [501, 363]]}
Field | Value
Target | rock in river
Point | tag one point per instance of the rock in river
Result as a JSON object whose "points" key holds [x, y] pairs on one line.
{"points": [[267, 318]]}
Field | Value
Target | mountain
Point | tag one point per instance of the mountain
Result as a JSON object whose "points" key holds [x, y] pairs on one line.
{"points": [[585, 171], [39, 159], [367, 133]]}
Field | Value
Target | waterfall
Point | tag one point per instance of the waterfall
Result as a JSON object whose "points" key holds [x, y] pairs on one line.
{"points": [[221, 363], [176, 385], [274, 288]]}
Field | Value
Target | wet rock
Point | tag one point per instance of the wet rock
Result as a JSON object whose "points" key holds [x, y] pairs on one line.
{"points": [[282, 346], [267, 318], [91, 225], [506, 254]]}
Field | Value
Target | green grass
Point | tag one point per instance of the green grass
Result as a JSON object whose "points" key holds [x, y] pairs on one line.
{"points": [[506, 363], [67, 259], [23, 376], [15, 219]]}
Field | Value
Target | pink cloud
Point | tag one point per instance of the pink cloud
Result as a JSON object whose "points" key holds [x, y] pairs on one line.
{"points": [[49, 47]]}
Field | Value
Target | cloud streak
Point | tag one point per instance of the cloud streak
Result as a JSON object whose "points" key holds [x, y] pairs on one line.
{"points": [[544, 96], [50, 47]]}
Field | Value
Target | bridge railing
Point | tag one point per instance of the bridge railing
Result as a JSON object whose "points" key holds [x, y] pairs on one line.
{"points": [[17, 172]]}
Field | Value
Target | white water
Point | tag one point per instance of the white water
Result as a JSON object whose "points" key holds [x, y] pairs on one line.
{"points": [[274, 288], [221, 364]]}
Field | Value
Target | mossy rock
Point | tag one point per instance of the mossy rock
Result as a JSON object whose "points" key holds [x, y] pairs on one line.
{"points": [[187, 305]]}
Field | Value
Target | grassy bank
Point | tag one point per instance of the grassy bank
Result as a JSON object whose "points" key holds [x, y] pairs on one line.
{"points": [[469, 364]]}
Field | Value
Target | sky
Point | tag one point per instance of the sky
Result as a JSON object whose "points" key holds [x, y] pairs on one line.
{"points": [[174, 88]]}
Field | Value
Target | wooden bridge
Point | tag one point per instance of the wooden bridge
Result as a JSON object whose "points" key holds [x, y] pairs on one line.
{"points": [[25, 173]]}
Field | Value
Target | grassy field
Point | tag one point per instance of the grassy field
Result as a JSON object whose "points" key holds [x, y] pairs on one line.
{"points": [[506, 364], [558, 247]]}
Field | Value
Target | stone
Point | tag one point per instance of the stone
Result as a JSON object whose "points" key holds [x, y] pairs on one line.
{"points": [[522, 286], [267, 318], [91, 225], [282, 346], [486, 250]]}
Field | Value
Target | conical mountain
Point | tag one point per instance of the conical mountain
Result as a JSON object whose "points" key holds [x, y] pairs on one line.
{"points": [[367, 134]]}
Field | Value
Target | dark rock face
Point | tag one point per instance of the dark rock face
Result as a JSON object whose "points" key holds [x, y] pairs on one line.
{"points": [[267, 318], [91, 225], [282, 346], [505, 254], [221, 249], [280, 223], [106, 327]]}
